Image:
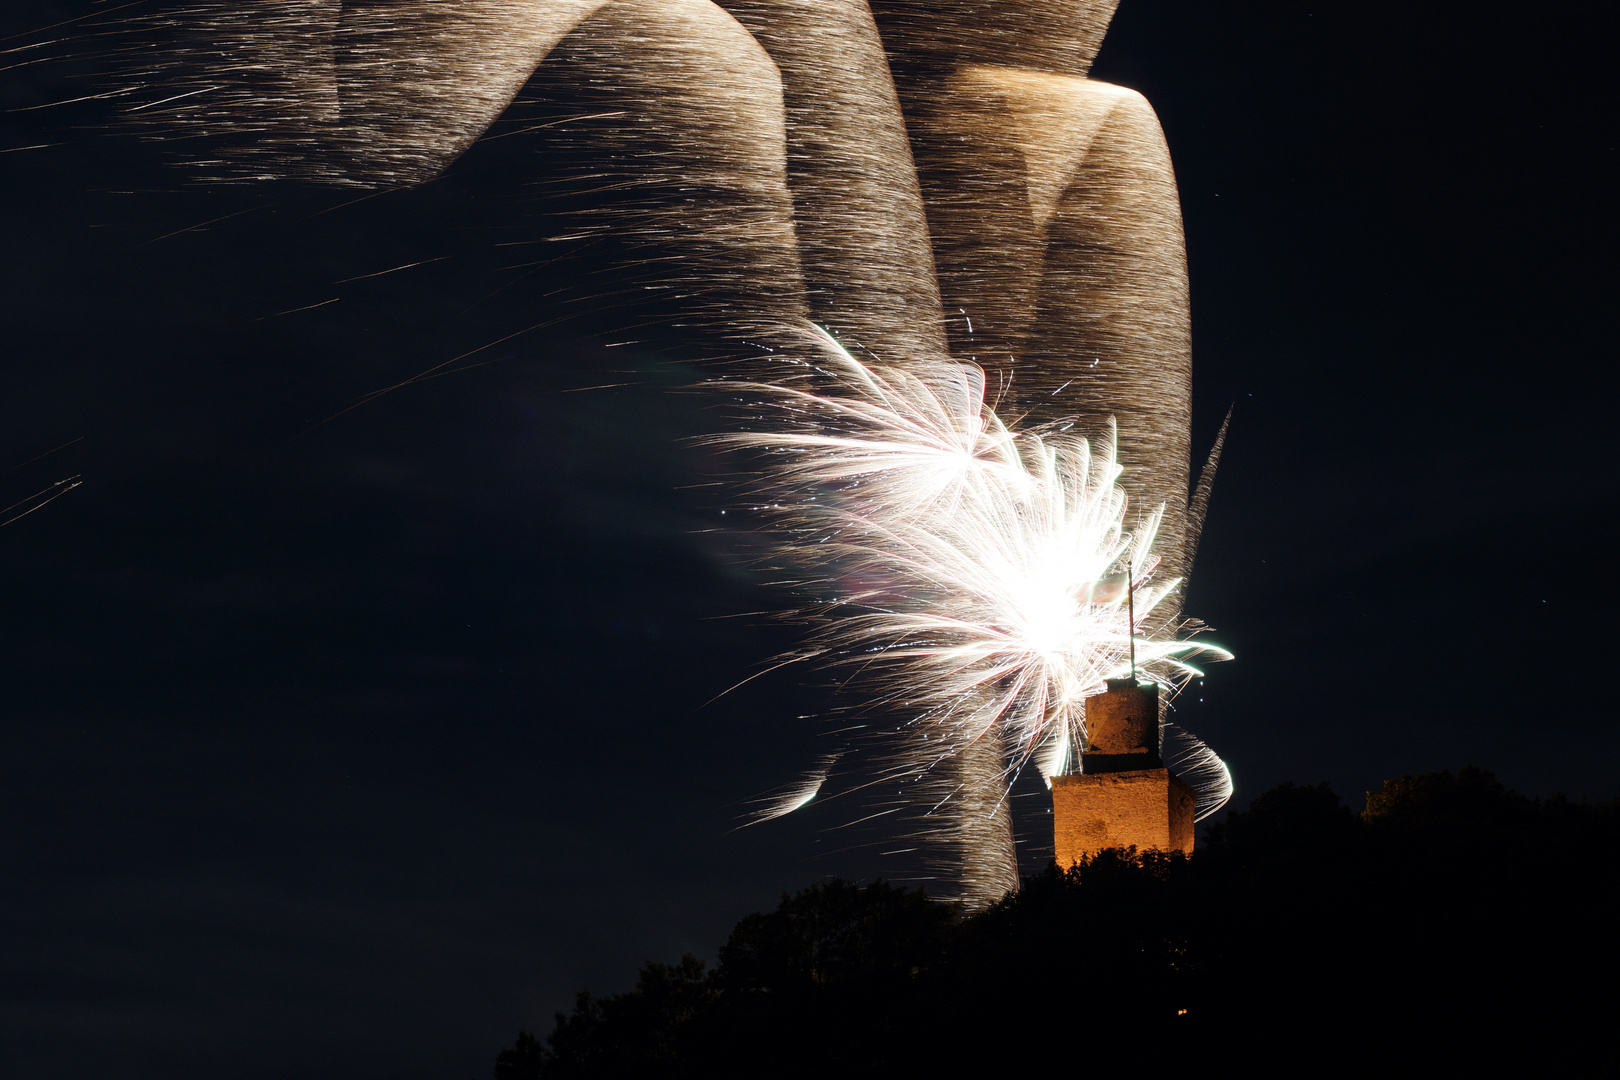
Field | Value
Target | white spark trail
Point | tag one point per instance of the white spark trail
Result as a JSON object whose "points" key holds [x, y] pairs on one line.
{"points": [[1200, 767], [976, 573]]}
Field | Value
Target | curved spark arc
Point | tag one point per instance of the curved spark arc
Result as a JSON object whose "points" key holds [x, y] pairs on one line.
{"points": [[898, 441], [794, 796], [1200, 767], [987, 567]]}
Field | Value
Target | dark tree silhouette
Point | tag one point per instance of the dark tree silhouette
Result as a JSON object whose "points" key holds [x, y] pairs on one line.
{"points": [[524, 1060], [835, 932], [1454, 920]]}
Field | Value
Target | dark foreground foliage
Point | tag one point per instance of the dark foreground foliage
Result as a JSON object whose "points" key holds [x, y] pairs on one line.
{"points": [[1454, 923]]}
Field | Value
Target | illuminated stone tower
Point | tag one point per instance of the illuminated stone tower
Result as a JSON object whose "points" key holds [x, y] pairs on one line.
{"points": [[1123, 796]]}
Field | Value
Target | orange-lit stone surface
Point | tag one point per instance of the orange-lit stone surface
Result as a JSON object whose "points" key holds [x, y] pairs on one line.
{"points": [[1144, 808], [1125, 720]]}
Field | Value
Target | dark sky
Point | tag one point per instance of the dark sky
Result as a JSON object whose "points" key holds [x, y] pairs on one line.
{"points": [[342, 743]]}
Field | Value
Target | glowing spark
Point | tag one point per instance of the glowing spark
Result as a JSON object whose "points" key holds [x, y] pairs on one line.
{"points": [[907, 440], [986, 568], [1200, 767], [40, 498], [797, 795]]}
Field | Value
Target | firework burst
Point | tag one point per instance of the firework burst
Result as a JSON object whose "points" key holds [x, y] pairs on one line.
{"points": [[986, 580]]}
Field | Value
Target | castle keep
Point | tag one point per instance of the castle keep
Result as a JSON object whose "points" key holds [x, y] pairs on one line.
{"points": [[1124, 795]]}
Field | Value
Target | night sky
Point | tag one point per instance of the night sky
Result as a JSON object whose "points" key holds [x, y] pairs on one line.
{"points": [[342, 737]]}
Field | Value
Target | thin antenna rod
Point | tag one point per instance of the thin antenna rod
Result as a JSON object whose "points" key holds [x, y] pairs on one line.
{"points": [[1130, 602]]}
